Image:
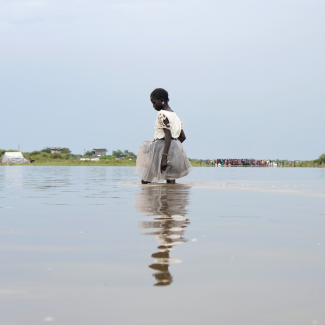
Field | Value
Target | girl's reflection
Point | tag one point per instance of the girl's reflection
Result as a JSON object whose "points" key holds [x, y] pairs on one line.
{"points": [[168, 204]]}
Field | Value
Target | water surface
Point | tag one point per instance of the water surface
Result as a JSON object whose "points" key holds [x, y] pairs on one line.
{"points": [[88, 245]]}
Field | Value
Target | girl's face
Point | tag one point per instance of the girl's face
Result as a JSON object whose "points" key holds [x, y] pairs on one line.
{"points": [[156, 103]]}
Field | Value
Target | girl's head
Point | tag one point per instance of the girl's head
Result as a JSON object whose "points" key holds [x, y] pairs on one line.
{"points": [[159, 97]]}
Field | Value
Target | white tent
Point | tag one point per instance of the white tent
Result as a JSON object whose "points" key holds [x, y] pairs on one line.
{"points": [[13, 158]]}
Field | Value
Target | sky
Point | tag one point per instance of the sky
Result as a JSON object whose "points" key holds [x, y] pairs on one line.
{"points": [[247, 78]]}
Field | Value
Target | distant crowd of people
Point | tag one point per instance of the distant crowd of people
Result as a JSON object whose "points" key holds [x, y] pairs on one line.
{"points": [[245, 162]]}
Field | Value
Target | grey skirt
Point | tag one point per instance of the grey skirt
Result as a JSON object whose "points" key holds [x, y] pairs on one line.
{"points": [[149, 161]]}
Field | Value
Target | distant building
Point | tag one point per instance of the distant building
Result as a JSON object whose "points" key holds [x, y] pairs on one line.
{"points": [[56, 150], [99, 152], [13, 158]]}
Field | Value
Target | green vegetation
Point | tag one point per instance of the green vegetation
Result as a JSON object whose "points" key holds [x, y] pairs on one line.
{"points": [[321, 158], [122, 154], [72, 161], [2, 151], [47, 150], [44, 157], [88, 153]]}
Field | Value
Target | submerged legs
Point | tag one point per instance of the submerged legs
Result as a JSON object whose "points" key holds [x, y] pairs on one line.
{"points": [[169, 181], [144, 182]]}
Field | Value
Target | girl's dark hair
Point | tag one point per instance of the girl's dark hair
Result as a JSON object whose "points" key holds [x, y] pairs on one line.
{"points": [[160, 93]]}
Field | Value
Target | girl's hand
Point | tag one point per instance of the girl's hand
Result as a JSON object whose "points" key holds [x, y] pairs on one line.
{"points": [[163, 162]]}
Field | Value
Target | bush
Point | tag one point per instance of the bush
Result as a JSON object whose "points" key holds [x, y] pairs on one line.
{"points": [[121, 154], [47, 150], [2, 151], [35, 152], [65, 150], [117, 153], [109, 157], [55, 156], [88, 153], [322, 158], [66, 156]]}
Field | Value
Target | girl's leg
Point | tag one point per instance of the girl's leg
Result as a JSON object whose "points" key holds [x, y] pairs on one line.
{"points": [[171, 181], [144, 182]]}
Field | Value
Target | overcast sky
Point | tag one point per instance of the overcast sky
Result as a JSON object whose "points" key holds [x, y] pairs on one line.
{"points": [[247, 78]]}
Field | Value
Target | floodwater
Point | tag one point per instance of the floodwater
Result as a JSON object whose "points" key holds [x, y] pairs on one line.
{"points": [[90, 245]]}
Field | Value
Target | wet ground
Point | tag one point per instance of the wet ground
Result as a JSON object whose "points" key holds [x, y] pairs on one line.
{"points": [[89, 245]]}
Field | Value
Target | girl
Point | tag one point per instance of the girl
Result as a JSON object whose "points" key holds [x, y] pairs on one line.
{"points": [[164, 157]]}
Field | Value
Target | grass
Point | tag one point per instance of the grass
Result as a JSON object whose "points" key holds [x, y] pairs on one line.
{"points": [[54, 159], [44, 159], [73, 162]]}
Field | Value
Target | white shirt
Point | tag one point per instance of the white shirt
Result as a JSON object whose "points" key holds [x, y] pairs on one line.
{"points": [[175, 124]]}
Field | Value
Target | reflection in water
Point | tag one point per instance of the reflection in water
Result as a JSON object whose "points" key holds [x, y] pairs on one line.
{"points": [[168, 204]]}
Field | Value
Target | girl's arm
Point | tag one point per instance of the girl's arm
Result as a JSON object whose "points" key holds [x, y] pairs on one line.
{"points": [[182, 137], [168, 139]]}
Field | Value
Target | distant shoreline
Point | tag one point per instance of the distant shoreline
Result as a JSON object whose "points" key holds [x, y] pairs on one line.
{"points": [[46, 157], [128, 163]]}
